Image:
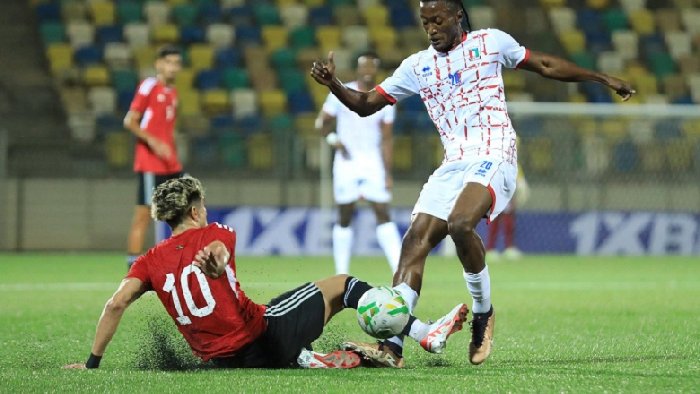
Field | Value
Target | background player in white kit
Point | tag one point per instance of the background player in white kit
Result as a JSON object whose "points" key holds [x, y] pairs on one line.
{"points": [[459, 79], [361, 167]]}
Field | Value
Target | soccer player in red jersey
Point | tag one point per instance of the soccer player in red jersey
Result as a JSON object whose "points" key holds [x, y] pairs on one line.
{"points": [[151, 118], [459, 78], [194, 275]]}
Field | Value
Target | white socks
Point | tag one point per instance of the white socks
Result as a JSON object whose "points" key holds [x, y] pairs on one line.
{"points": [[390, 241], [479, 286], [418, 330], [411, 297], [342, 248]]}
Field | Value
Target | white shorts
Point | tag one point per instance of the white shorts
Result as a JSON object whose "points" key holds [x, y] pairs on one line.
{"points": [[359, 179], [440, 193]]}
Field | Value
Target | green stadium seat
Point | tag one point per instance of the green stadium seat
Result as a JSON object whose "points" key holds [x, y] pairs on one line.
{"points": [[52, 32], [124, 80], [584, 59], [185, 14], [291, 80], [281, 124], [266, 14], [233, 149], [235, 78], [662, 65], [615, 19], [283, 57], [129, 12], [340, 3], [302, 37]]}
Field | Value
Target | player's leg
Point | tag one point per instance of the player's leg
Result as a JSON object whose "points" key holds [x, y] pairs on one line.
{"points": [[388, 235], [343, 238], [508, 218], [141, 218], [493, 229]]}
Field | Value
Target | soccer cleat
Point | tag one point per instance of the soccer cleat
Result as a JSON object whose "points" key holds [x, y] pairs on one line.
{"points": [[375, 354], [436, 340], [512, 253], [338, 359], [482, 336], [492, 255]]}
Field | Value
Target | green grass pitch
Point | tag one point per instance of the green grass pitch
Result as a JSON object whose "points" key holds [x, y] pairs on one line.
{"points": [[564, 324]]}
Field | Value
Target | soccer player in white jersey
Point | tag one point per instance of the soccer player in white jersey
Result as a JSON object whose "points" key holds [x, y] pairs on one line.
{"points": [[361, 167], [459, 79]]}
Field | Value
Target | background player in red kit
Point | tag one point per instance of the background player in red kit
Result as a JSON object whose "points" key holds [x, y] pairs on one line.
{"points": [[194, 275], [151, 118]]}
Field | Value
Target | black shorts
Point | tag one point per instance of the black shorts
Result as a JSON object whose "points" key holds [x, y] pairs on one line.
{"points": [[148, 181], [294, 320]]}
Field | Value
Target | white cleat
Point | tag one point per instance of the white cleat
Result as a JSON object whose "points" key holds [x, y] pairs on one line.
{"points": [[339, 359], [512, 253], [436, 340]]}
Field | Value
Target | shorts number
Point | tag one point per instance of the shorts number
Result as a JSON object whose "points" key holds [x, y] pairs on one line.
{"points": [[486, 165], [194, 310]]}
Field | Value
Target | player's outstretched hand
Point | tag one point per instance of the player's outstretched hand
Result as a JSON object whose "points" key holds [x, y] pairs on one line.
{"points": [[205, 260], [622, 88], [75, 366], [324, 71]]}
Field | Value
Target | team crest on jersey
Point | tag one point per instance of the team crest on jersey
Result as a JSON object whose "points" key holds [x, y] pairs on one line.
{"points": [[455, 78], [474, 53], [426, 72]]}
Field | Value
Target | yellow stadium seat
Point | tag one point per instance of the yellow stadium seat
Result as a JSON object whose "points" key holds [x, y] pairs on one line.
{"points": [[514, 81], [614, 129], [376, 15], [328, 38], [598, 4], [102, 12], [145, 57], [188, 102], [201, 56], [403, 153], [573, 41], [383, 36], [314, 3], [642, 21], [274, 37], [652, 157], [305, 124], [96, 76], [60, 56], [679, 154], [167, 33], [215, 101], [260, 152], [118, 149], [347, 15], [691, 129], [273, 102], [184, 80], [645, 84], [284, 3], [553, 3], [72, 11]]}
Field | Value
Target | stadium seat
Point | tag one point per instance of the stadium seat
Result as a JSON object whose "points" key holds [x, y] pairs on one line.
{"points": [[244, 102], [294, 16], [274, 37], [266, 14], [201, 56], [52, 32], [626, 43], [272, 102], [260, 152], [403, 153], [227, 57], [109, 34], [283, 58], [304, 124], [300, 101], [145, 56], [156, 12], [239, 15], [584, 59], [328, 38], [137, 35], [48, 12], [347, 15], [597, 4], [302, 37], [552, 3], [320, 16], [402, 16], [205, 152], [73, 11], [129, 12], [235, 78], [249, 124], [210, 13], [383, 37], [642, 21], [208, 80], [313, 3], [668, 20], [117, 55], [80, 34], [632, 5], [165, 34], [563, 19], [118, 149], [610, 62], [220, 35], [376, 15], [102, 100], [691, 20], [651, 157], [247, 35], [483, 15], [255, 58], [215, 101], [222, 121], [60, 57], [233, 150], [82, 126], [678, 43], [185, 14], [188, 103], [615, 19], [595, 93], [124, 80], [102, 12], [356, 38], [73, 99], [88, 55], [662, 65], [573, 41]]}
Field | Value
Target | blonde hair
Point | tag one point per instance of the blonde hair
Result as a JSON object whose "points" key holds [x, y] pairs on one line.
{"points": [[173, 199]]}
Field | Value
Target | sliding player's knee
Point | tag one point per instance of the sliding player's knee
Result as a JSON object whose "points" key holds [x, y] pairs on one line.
{"points": [[461, 226]]}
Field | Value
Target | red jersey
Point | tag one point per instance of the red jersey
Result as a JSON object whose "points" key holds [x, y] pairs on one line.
{"points": [[157, 103], [214, 315]]}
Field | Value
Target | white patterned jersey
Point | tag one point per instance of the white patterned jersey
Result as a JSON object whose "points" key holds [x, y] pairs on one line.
{"points": [[463, 93], [362, 137]]}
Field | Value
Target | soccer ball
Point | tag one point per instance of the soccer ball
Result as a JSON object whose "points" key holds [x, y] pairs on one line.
{"points": [[382, 312]]}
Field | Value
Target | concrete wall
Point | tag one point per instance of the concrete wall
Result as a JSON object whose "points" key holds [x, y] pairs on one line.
{"points": [[81, 214]]}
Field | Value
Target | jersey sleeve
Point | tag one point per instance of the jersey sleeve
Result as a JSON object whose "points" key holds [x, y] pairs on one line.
{"points": [[510, 53], [332, 105], [139, 270], [140, 101], [225, 234], [401, 84], [389, 114]]}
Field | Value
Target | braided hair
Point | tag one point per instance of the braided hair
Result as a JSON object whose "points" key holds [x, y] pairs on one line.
{"points": [[466, 24]]}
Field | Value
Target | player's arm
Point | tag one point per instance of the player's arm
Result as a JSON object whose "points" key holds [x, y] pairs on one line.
{"points": [[212, 259], [132, 122], [553, 67], [363, 103], [129, 290], [388, 151], [324, 125]]}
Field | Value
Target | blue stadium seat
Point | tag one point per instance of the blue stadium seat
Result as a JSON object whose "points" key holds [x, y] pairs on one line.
{"points": [[589, 21], [124, 100], [321, 16], [208, 80], [625, 156], [87, 55], [48, 12], [227, 57], [402, 16], [248, 35], [222, 122], [205, 152], [250, 124], [106, 124], [239, 16], [650, 45], [191, 34], [596, 93], [210, 13], [299, 102], [668, 129], [111, 33]]}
